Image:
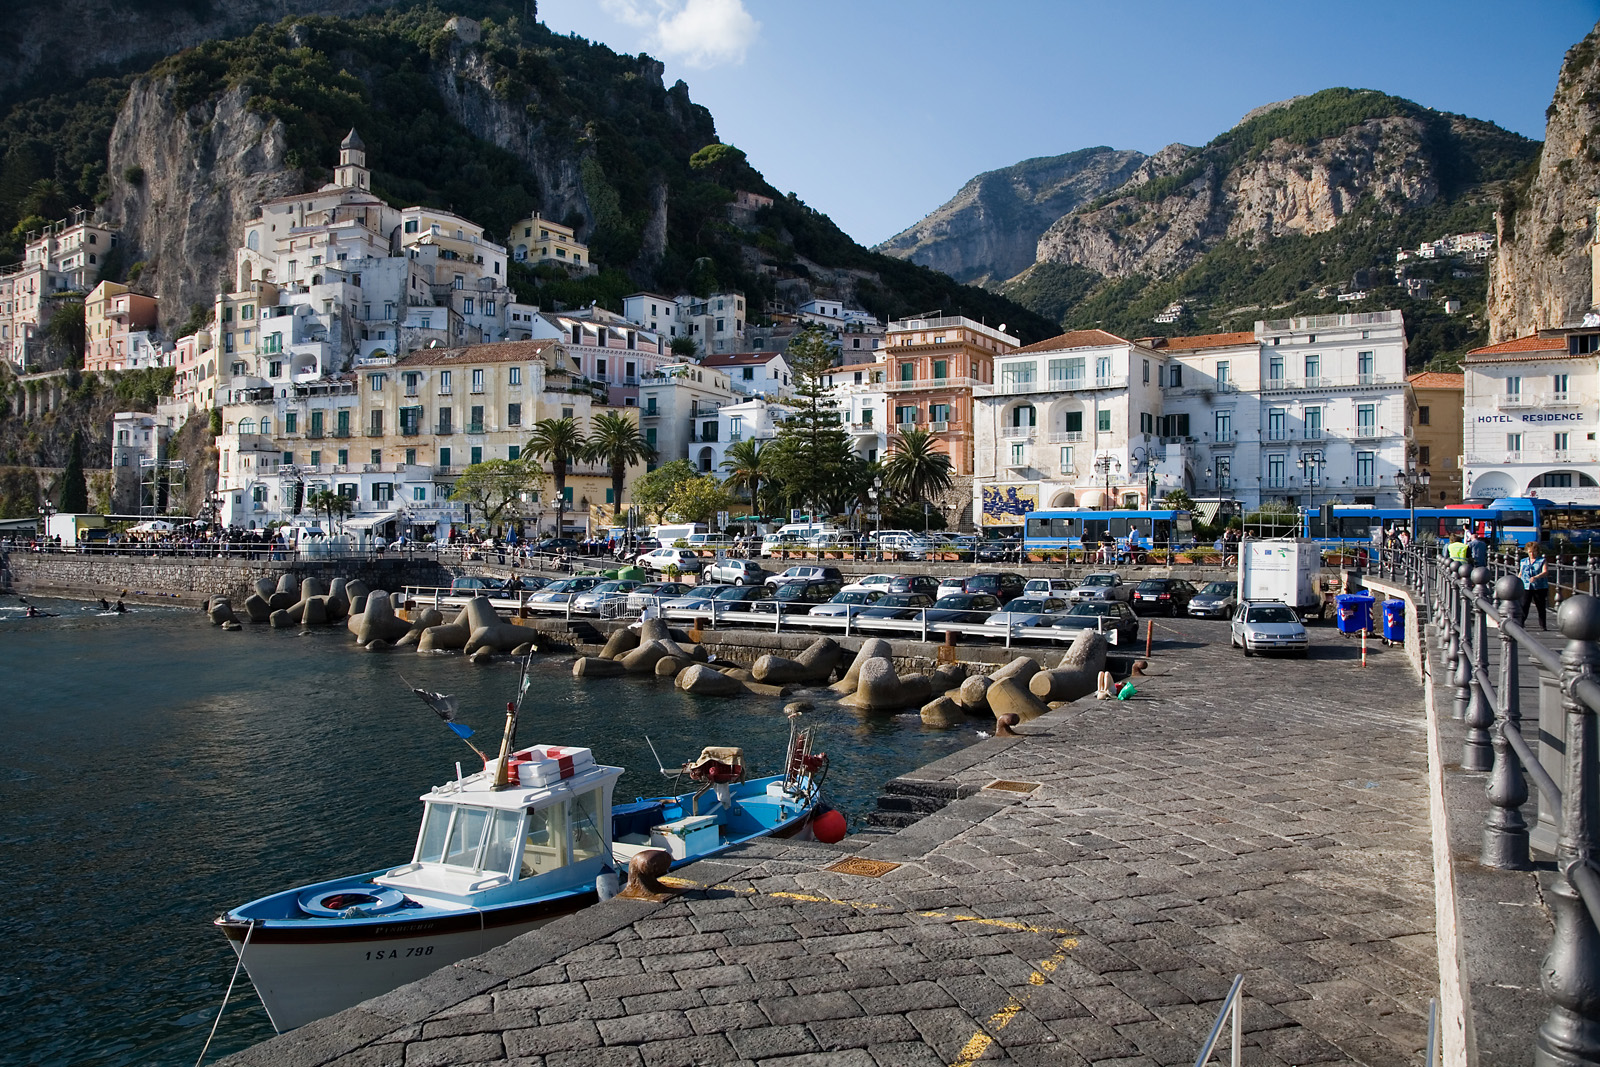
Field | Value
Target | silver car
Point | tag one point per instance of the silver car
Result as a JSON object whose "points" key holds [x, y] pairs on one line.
{"points": [[1217, 599], [735, 572], [1031, 610], [1268, 627], [847, 602], [1104, 586], [593, 601]]}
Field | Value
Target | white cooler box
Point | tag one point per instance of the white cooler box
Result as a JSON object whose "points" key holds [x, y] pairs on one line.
{"points": [[694, 836], [548, 764]]}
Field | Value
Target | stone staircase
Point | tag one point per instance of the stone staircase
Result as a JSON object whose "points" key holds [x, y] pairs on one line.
{"points": [[907, 800]]}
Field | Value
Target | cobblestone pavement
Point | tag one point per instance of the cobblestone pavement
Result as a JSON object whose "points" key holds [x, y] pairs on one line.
{"points": [[1255, 816]]}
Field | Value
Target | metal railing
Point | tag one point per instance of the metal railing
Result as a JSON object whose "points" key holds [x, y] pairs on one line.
{"points": [[1466, 600], [1230, 1007]]}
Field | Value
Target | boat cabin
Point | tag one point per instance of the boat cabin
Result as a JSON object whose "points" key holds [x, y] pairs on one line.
{"points": [[552, 824]]}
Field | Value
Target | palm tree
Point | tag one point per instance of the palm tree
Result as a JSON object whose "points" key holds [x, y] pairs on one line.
{"points": [[616, 441], [916, 469], [558, 442], [748, 468], [331, 504]]}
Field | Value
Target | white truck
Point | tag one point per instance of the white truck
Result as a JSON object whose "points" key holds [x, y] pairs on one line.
{"points": [[1287, 570]]}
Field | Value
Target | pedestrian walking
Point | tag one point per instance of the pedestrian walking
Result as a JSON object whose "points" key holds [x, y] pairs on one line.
{"points": [[1535, 585]]}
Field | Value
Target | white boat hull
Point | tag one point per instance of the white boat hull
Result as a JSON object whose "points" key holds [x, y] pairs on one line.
{"points": [[300, 982]]}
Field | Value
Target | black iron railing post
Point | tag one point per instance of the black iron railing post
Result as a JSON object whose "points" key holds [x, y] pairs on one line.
{"points": [[1463, 676], [1505, 833], [1477, 752], [1570, 1034], [1449, 616]]}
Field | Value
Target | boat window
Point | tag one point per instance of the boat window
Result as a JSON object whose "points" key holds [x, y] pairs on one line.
{"points": [[466, 834], [546, 847], [435, 825], [587, 839], [502, 843]]}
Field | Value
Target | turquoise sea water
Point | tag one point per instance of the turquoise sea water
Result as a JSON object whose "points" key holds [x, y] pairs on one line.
{"points": [[156, 771]]}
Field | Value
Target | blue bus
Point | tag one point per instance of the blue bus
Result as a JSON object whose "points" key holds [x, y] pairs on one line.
{"points": [[1507, 520], [1086, 528]]}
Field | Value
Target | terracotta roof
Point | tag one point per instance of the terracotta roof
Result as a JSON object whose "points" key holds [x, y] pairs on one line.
{"points": [[1432, 379], [1531, 343], [1074, 339], [739, 359], [1211, 340], [498, 352]]}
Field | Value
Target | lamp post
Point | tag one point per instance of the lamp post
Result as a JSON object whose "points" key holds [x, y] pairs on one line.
{"points": [[874, 513], [1311, 467], [1106, 465], [1413, 482], [1145, 456]]}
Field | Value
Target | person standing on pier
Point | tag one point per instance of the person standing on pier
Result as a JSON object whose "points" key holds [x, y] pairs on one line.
{"points": [[1535, 585]]}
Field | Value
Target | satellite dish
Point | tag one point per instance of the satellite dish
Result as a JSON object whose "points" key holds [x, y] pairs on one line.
{"points": [[1002, 327], [433, 343]]}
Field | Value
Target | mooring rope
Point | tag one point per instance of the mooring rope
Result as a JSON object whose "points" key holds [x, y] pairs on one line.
{"points": [[224, 1006]]}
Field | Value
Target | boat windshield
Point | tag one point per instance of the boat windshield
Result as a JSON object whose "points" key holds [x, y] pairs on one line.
{"points": [[469, 838]]}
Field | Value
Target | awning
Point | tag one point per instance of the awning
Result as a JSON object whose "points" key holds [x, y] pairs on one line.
{"points": [[370, 522]]}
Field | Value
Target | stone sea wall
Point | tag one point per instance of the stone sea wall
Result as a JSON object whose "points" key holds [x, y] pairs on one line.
{"points": [[190, 581]]}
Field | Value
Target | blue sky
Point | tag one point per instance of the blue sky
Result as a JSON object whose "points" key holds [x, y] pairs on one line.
{"points": [[877, 111]]}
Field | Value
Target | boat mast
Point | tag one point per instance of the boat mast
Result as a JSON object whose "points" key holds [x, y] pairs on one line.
{"points": [[502, 774]]}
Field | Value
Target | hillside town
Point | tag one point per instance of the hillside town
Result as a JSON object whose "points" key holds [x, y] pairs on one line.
{"points": [[377, 353]]}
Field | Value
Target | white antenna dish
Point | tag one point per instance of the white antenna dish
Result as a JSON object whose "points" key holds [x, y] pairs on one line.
{"points": [[1002, 327], [433, 343]]}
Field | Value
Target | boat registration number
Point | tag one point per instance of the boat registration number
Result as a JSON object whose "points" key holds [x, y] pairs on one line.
{"points": [[395, 954]]}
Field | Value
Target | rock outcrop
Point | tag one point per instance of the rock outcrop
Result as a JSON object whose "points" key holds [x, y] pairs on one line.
{"points": [[1542, 273]]}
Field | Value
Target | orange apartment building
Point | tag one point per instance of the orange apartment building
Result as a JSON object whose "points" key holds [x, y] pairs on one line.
{"points": [[110, 314], [935, 361]]}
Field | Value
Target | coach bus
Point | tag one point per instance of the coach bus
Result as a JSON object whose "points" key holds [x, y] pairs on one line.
{"points": [[1082, 527], [1507, 520]]}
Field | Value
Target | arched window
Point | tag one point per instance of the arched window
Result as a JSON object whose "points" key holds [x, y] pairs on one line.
{"points": [[1023, 415], [247, 425], [252, 241], [266, 424], [705, 461]]}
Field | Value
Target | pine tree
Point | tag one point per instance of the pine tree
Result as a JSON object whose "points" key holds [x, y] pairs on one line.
{"points": [[812, 451], [72, 492]]}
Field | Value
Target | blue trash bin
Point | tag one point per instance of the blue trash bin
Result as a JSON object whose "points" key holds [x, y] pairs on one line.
{"points": [[1355, 612], [1394, 620]]}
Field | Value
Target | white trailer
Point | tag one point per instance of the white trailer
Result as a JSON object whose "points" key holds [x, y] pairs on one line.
{"points": [[1288, 570]]}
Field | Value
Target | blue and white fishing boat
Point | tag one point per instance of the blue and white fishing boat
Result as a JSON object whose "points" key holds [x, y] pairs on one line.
{"points": [[532, 837]]}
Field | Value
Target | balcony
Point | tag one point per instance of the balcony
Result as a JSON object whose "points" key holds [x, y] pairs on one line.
{"points": [[410, 429], [341, 431], [650, 413], [474, 427], [1533, 455], [374, 431], [1276, 435], [1369, 433], [1513, 400], [315, 432], [938, 427], [445, 429], [928, 384], [1018, 433], [1066, 437]]}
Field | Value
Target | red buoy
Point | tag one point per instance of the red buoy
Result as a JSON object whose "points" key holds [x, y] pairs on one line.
{"points": [[829, 827]]}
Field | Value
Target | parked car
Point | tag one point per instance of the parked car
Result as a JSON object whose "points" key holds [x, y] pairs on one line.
{"points": [[1217, 599], [1000, 551], [740, 597], [1112, 616], [1162, 596], [897, 606], [808, 574], [848, 602], [684, 559], [880, 582], [477, 585], [1103, 586], [593, 601], [1268, 627], [964, 607], [799, 596], [558, 593], [914, 583], [1049, 587], [556, 544], [1029, 611], [1002, 585], [734, 572], [698, 598], [524, 583], [654, 593]]}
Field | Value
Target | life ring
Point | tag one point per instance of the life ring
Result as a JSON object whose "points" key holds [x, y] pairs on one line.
{"points": [[361, 897]]}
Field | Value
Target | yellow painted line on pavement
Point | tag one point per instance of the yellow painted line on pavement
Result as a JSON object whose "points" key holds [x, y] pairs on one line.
{"points": [[868, 905], [979, 1042]]}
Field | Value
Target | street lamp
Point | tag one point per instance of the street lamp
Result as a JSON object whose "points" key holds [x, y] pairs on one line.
{"points": [[1106, 465], [876, 515], [1311, 467], [1413, 482], [1145, 456]]}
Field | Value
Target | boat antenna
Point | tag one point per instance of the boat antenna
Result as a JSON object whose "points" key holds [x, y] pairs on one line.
{"points": [[445, 707], [664, 772]]}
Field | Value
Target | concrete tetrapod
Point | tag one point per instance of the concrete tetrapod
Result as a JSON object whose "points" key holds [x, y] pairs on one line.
{"points": [[948, 677], [871, 648], [256, 604], [338, 601], [814, 665], [973, 695], [488, 631], [879, 688], [420, 621], [444, 637], [1023, 668], [220, 610], [701, 680], [378, 622], [287, 593], [620, 643], [942, 711], [1076, 675], [1009, 697], [595, 667]]}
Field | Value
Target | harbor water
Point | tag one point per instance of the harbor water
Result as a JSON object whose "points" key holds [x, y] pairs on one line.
{"points": [[157, 771]]}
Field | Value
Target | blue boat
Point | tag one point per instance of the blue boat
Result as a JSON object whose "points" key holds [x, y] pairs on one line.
{"points": [[532, 837]]}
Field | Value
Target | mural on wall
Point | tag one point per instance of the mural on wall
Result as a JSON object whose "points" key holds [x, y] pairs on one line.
{"points": [[1005, 505]]}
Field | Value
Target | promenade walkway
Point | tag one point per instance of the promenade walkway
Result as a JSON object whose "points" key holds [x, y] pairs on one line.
{"points": [[1254, 816]]}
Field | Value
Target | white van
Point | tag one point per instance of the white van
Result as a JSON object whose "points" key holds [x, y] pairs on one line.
{"points": [[670, 535], [797, 535]]}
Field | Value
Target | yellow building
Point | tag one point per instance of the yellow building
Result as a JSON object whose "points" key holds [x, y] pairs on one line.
{"points": [[538, 240], [1436, 432]]}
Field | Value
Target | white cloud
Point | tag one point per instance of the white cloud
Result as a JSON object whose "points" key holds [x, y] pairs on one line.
{"points": [[702, 33]]}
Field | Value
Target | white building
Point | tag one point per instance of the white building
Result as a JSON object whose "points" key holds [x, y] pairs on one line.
{"points": [[857, 385], [764, 374], [654, 312], [1529, 418], [1212, 406], [740, 420], [678, 406]]}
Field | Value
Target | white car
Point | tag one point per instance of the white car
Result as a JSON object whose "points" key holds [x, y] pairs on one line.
{"points": [[879, 582], [1049, 587], [954, 584], [662, 558], [592, 601], [1268, 627]]}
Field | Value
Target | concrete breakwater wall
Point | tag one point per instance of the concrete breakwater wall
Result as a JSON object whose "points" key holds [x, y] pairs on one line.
{"points": [[190, 580]]}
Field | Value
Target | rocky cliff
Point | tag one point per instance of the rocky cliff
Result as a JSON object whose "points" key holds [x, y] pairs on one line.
{"points": [[201, 172], [990, 229], [58, 40], [1542, 274]]}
